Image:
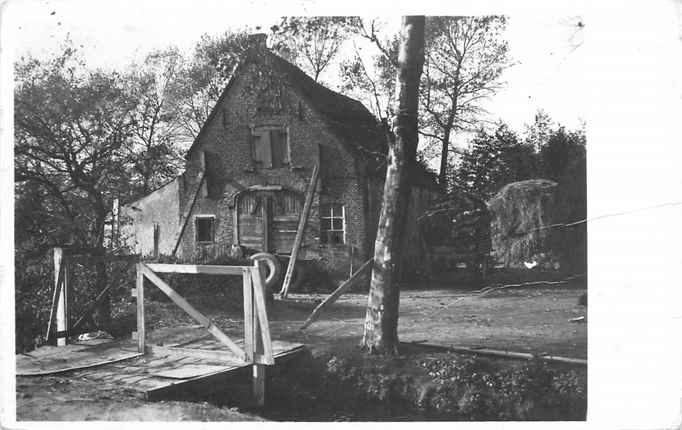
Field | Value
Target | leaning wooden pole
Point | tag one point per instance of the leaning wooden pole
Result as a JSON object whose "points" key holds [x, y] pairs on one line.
{"points": [[188, 213], [303, 220], [337, 293]]}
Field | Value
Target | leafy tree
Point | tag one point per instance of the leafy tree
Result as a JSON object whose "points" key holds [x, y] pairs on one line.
{"points": [[312, 42], [374, 83], [381, 321], [71, 128], [538, 133], [465, 60], [465, 57], [563, 159], [155, 153], [494, 160]]}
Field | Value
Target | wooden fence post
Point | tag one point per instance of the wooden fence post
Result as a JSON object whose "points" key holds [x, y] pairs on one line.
{"points": [[258, 366], [249, 319], [63, 297], [139, 298]]}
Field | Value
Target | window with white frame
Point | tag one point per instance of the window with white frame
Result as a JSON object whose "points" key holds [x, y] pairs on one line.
{"points": [[332, 223], [204, 227]]}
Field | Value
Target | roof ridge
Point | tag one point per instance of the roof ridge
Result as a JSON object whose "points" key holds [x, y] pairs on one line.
{"points": [[348, 117]]}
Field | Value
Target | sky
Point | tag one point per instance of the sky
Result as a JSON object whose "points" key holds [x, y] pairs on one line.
{"points": [[544, 45]]}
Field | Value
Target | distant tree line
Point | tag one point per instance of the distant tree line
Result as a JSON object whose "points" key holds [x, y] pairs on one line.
{"points": [[545, 150]]}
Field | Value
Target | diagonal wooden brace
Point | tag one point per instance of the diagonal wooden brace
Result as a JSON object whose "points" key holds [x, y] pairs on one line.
{"points": [[194, 313]]}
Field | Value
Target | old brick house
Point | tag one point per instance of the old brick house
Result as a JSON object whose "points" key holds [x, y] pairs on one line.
{"points": [[249, 166]]}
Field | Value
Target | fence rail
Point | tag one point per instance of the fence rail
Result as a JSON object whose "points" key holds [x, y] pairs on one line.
{"points": [[257, 341]]}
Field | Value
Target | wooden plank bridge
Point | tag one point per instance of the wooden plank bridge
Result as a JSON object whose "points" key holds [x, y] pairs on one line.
{"points": [[174, 362]]}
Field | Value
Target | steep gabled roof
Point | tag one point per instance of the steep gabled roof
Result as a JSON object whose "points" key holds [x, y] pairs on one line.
{"points": [[347, 118]]}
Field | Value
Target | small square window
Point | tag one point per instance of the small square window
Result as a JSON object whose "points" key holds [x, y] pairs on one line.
{"points": [[205, 229], [332, 224]]}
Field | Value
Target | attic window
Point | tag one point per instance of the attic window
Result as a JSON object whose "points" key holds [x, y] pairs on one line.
{"points": [[332, 223], [205, 229], [269, 147]]}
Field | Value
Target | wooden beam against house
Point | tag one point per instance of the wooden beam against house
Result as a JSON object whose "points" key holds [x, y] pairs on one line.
{"points": [[189, 212], [337, 293], [193, 312], [302, 221]]}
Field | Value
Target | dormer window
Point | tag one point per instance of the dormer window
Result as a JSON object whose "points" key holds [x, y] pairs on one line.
{"points": [[270, 147]]}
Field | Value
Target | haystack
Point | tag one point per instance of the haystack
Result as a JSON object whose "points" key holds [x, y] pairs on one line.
{"points": [[522, 213]]}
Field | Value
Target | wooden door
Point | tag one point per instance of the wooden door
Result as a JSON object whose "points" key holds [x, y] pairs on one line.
{"points": [[267, 220], [250, 217], [285, 208]]}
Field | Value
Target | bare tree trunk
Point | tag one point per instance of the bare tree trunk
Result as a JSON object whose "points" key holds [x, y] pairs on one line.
{"points": [[381, 321], [443, 174]]}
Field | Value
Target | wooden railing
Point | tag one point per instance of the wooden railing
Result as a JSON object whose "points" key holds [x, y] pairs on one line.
{"points": [[257, 342], [257, 349]]}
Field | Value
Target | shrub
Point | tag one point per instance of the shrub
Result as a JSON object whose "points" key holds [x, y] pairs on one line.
{"points": [[449, 387]]}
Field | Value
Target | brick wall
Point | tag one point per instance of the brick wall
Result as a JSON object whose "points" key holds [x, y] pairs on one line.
{"points": [[261, 97], [230, 168]]}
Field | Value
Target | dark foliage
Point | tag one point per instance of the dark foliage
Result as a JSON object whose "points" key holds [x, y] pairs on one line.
{"points": [[445, 387], [34, 287], [494, 160]]}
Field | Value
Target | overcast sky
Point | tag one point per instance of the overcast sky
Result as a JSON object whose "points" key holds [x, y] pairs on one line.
{"points": [[544, 44]]}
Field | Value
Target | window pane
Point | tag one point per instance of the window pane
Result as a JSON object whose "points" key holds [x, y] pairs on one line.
{"points": [[278, 142], [337, 224], [204, 229], [336, 210], [336, 237], [261, 149], [325, 224]]}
